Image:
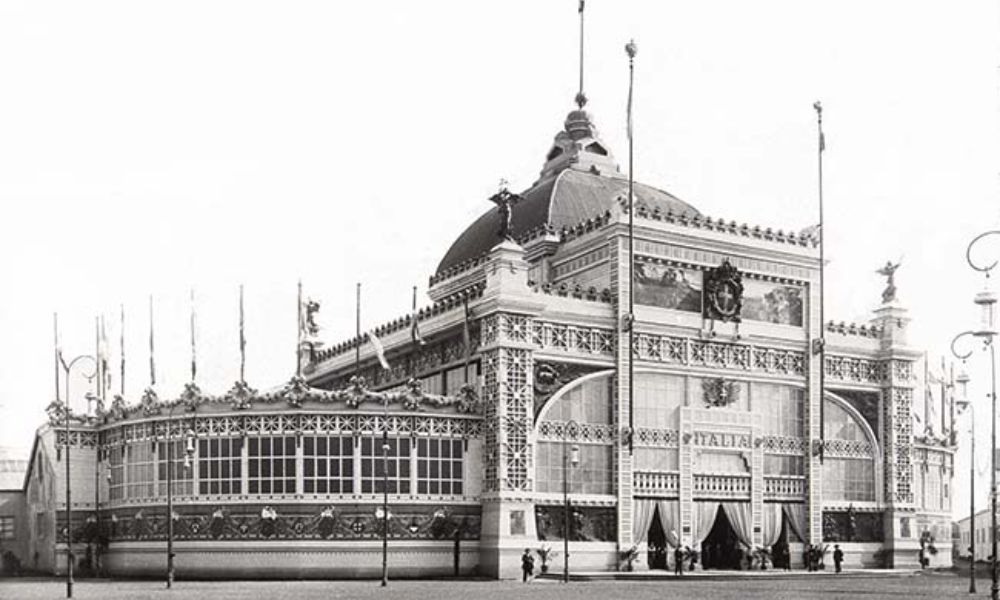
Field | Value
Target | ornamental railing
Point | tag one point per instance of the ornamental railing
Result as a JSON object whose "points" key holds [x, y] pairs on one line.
{"points": [[787, 487], [655, 484], [722, 486]]}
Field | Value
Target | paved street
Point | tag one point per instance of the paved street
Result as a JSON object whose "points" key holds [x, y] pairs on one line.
{"points": [[925, 585]]}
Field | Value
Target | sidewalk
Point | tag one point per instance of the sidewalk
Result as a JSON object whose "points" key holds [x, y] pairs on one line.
{"points": [[659, 575]]}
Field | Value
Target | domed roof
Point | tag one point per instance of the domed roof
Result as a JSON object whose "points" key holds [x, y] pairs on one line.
{"points": [[563, 200]]}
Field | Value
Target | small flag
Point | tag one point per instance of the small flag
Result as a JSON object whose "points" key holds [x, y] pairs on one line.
{"points": [[580, 9], [415, 322], [379, 349]]}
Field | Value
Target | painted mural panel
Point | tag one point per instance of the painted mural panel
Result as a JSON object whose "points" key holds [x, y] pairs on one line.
{"points": [[667, 287], [772, 302]]}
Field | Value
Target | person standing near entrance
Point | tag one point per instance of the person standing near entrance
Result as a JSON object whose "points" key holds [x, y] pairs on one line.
{"points": [[838, 557], [679, 561], [527, 565]]}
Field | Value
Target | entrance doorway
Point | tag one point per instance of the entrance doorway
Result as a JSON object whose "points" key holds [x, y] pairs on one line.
{"points": [[722, 549], [657, 543]]}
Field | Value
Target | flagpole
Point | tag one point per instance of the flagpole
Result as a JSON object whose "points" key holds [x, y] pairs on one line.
{"points": [[581, 99], [243, 341], [97, 352], [357, 326], [466, 335], [55, 350], [631, 49], [298, 345], [152, 360], [121, 342], [822, 287], [194, 349]]}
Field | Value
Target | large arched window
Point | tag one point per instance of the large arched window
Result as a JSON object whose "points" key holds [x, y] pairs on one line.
{"points": [[581, 415], [849, 461]]}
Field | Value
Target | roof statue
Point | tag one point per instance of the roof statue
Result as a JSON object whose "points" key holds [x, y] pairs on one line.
{"points": [[505, 201], [311, 327], [889, 271]]}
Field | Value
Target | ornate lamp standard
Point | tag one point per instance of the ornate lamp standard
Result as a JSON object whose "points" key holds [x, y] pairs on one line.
{"points": [[67, 413], [987, 300], [188, 455], [965, 404], [574, 459]]}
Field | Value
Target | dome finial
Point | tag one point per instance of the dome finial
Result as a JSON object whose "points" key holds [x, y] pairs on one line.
{"points": [[581, 98]]}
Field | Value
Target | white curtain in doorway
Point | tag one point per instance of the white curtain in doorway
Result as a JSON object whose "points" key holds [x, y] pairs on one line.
{"points": [[772, 524], [702, 519], [740, 518], [670, 518], [642, 517], [796, 514]]}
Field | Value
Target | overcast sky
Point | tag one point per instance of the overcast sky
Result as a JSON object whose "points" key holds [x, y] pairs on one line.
{"points": [[148, 148]]}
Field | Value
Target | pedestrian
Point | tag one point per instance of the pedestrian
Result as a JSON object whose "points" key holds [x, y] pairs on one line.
{"points": [[679, 561], [838, 557], [527, 565]]}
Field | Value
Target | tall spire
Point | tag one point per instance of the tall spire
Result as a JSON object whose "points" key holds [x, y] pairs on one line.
{"points": [[581, 98]]}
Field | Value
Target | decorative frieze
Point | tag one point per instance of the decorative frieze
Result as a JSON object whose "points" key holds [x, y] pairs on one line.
{"points": [[282, 522], [655, 438], [857, 370], [571, 338], [848, 449], [77, 439], [294, 424], [722, 355], [586, 523], [559, 431]]}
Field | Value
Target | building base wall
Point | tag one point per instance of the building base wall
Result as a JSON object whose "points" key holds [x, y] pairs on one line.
{"points": [[317, 560]]}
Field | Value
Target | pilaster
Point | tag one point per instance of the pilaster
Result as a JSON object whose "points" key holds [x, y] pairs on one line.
{"points": [[620, 286]]}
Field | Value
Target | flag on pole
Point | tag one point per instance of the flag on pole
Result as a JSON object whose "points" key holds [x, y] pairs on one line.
{"points": [[414, 322], [379, 349], [580, 9]]}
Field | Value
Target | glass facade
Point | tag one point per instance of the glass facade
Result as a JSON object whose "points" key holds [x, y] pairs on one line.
{"points": [[327, 464], [271, 465], [439, 466], [396, 461], [139, 471], [182, 478], [220, 466]]}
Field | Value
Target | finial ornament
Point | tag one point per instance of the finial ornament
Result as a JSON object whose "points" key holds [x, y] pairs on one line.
{"points": [[889, 271], [818, 107], [631, 49]]}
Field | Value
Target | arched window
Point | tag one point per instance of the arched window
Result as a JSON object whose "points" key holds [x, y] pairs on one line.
{"points": [[849, 461], [581, 415]]}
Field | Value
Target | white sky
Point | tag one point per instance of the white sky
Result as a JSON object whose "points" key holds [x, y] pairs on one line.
{"points": [[147, 148]]}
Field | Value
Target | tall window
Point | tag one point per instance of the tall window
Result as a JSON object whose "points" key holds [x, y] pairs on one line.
{"points": [[439, 466], [116, 487], [782, 407], [181, 478], [327, 464], [848, 479], [220, 468], [139, 470], [657, 399], [398, 465], [6, 528], [588, 405], [271, 465]]}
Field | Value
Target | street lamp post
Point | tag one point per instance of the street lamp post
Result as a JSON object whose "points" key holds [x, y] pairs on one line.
{"points": [[67, 368], [987, 300], [385, 492], [188, 453], [965, 404], [574, 459]]}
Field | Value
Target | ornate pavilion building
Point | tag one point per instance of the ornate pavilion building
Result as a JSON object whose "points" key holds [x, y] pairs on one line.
{"points": [[520, 389]]}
